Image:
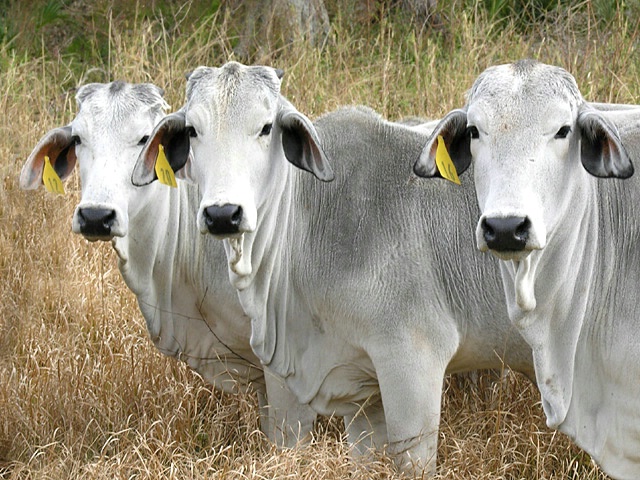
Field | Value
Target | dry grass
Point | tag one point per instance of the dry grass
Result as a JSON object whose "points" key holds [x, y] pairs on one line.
{"points": [[85, 394]]}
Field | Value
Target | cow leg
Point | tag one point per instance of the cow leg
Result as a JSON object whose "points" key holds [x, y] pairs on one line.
{"points": [[411, 388], [263, 408], [289, 422], [367, 429]]}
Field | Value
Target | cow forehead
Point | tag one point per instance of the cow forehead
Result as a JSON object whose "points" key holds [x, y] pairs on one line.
{"points": [[119, 104], [232, 90], [117, 109], [525, 93]]}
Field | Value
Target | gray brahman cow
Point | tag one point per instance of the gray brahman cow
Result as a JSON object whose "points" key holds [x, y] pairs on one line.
{"points": [[178, 276], [350, 302], [569, 241]]}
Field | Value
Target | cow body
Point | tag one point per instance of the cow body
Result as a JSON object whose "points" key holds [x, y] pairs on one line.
{"points": [[179, 277], [568, 243], [349, 303]]}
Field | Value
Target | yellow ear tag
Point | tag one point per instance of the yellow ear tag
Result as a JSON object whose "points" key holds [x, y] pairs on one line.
{"points": [[51, 179], [164, 170], [445, 166]]}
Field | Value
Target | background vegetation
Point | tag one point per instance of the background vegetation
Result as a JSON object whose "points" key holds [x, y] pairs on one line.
{"points": [[84, 393]]}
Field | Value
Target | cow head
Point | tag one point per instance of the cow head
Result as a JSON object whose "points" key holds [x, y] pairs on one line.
{"points": [[533, 140], [240, 130], [105, 138]]}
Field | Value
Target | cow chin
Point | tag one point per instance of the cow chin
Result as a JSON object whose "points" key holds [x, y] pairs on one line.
{"points": [[524, 282], [92, 238], [510, 255]]}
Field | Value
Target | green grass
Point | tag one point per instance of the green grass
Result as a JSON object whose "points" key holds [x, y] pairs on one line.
{"points": [[84, 393]]}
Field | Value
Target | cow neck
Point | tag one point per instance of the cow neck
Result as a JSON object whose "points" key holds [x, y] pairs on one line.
{"points": [[559, 278], [152, 228], [602, 416], [251, 254], [262, 290]]}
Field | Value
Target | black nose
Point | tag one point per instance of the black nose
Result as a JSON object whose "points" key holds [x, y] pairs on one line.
{"points": [[223, 220], [96, 222], [506, 234]]}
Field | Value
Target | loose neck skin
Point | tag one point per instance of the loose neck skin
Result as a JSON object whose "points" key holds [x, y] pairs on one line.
{"points": [[150, 222], [264, 251], [559, 278], [583, 328]]}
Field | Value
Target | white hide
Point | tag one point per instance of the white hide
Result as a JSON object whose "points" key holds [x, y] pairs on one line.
{"points": [[178, 276], [356, 297], [572, 291]]}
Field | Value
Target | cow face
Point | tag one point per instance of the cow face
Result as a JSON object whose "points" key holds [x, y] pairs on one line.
{"points": [[112, 125], [240, 132], [532, 139], [534, 142]]}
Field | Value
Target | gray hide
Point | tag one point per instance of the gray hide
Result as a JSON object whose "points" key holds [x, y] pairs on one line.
{"points": [[351, 300], [572, 286], [179, 277]]}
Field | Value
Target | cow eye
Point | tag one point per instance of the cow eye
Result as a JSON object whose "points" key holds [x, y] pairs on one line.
{"points": [[143, 140], [266, 130], [192, 132], [75, 140], [473, 132], [563, 132]]}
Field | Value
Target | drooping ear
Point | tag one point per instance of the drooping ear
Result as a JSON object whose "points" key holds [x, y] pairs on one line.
{"points": [[453, 128], [601, 150], [59, 145], [301, 143], [172, 133]]}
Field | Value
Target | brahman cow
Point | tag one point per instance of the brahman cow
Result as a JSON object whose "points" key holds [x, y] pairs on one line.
{"points": [[568, 240], [350, 301], [178, 276]]}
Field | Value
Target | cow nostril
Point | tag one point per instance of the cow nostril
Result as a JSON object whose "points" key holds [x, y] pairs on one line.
{"points": [[522, 230], [506, 233], [236, 218], [489, 232], [223, 219]]}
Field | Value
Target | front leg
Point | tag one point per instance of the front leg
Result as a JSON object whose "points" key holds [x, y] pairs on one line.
{"points": [[289, 422], [367, 429], [410, 382]]}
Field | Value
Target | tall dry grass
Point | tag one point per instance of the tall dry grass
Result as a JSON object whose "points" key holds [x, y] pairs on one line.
{"points": [[84, 394]]}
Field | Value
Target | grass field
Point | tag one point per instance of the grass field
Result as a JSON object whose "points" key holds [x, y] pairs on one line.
{"points": [[84, 392]]}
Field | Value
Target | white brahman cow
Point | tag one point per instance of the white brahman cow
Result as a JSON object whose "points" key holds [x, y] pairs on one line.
{"points": [[178, 276], [360, 312], [569, 241]]}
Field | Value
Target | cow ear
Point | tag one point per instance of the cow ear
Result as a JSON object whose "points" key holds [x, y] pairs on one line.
{"points": [[301, 144], [59, 145], [173, 135], [453, 129], [601, 150]]}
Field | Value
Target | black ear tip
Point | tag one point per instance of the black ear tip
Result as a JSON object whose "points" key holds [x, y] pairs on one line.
{"points": [[279, 73]]}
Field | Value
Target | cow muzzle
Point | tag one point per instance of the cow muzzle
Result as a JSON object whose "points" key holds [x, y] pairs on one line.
{"points": [[223, 220], [96, 223], [506, 234]]}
